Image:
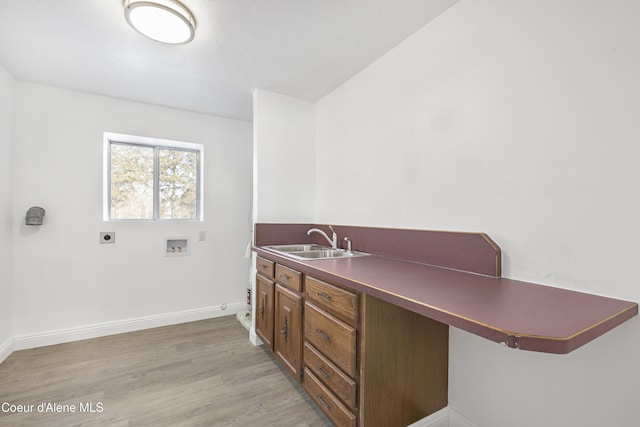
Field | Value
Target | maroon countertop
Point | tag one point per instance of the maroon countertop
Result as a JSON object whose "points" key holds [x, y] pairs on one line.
{"points": [[519, 314]]}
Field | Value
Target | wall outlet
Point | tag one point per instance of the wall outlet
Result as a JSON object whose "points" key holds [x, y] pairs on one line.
{"points": [[107, 237]]}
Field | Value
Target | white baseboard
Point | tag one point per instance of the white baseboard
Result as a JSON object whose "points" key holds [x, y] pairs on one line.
{"points": [[437, 419], [6, 349], [458, 420], [446, 417], [121, 326], [253, 337]]}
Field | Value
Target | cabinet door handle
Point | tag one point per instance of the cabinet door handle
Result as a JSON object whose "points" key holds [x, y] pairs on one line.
{"points": [[324, 404], [322, 372], [283, 331], [262, 308], [322, 335], [325, 296]]}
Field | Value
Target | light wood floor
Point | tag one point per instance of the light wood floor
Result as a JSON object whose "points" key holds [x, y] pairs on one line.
{"points": [[204, 373]]}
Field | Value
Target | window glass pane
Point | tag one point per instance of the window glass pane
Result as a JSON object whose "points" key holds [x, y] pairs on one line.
{"points": [[131, 182], [178, 184]]}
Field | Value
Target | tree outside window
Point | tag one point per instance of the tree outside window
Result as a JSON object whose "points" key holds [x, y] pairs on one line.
{"points": [[149, 182]]}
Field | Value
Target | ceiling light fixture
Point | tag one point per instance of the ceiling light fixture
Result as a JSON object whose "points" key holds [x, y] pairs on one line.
{"points": [[166, 21]]}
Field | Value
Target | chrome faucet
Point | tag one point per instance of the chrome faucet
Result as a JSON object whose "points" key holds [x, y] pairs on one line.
{"points": [[333, 240], [348, 240]]}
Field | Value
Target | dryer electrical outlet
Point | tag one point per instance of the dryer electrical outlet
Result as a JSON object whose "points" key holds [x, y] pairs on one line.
{"points": [[107, 237]]}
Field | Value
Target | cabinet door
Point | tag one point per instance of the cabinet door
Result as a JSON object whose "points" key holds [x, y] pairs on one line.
{"points": [[288, 330], [264, 310]]}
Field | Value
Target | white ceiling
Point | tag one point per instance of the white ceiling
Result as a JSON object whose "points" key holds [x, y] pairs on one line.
{"points": [[300, 48]]}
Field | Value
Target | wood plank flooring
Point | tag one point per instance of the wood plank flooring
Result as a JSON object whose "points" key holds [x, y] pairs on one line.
{"points": [[203, 373]]}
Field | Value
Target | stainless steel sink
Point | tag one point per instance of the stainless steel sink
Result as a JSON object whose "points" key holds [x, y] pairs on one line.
{"points": [[297, 248], [311, 252], [330, 253]]}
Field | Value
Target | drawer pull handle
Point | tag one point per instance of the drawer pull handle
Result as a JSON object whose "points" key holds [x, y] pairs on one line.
{"points": [[262, 266], [284, 276], [325, 296], [324, 404], [322, 335], [322, 372]]}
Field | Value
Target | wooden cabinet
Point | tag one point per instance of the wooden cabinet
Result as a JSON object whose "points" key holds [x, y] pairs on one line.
{"points": [[288, 330], [264, 310], [265, 301], [363, 361], [330, 349], [371, 363], [279, 307], [403, 365]]}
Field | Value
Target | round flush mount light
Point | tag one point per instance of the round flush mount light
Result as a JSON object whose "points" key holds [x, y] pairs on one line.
{"points": [[166, 21]]}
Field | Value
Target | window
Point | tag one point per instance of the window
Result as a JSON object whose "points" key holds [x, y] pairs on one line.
{"points": [[152, 179]]}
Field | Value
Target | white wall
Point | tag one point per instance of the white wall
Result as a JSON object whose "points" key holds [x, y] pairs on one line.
{"points": [[284, 158], [283, 165], [519, 119], [63, 278], [7, 97]]}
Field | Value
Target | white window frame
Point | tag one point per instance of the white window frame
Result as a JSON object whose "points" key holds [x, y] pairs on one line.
{"points": [[118, 138]]}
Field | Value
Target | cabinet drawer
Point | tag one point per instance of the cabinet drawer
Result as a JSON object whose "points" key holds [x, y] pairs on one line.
{"points": [[289, 277], [339, 383], [327, 401], [335, 300], [333, 337], [265, 267]]}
